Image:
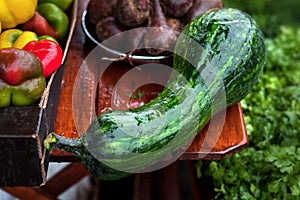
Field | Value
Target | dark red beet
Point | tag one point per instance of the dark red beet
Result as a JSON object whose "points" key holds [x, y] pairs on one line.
{"points": [[175, 24], [162, 38], [201, 6], [177, 8], [134, 42], [100, 9], [108, 27], [132, 12]]}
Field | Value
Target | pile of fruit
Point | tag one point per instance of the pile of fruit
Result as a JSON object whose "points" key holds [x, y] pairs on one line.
{"points": [[31, 36]]}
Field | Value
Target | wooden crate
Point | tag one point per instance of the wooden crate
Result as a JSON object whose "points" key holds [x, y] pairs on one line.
{"points": [[24, 161]]}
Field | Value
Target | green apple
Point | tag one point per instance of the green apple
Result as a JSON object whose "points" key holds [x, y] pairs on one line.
{"points": [[62, 4]]}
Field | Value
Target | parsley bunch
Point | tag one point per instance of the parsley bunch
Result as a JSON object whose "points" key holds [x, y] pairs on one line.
{"points": [[270, 167], [269, 14]]}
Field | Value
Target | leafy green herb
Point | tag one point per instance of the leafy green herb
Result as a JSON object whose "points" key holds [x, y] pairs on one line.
{"points": [[270, 167], [269, 14], [137, 95], [140, 94]]}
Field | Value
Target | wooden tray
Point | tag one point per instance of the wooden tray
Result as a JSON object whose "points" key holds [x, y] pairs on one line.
{"points": [[233, 137], [24, 161]]}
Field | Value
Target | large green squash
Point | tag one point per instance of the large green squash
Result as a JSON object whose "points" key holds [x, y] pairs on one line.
{"points": [[217, 61]]}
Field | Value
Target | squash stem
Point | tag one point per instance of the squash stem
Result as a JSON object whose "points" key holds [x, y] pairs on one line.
{"points": [[71, 145]]}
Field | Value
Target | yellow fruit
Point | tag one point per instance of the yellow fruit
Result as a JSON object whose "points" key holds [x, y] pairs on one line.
{"points": [[24, 38], [14, 12], [16, 38], [8, 37]]}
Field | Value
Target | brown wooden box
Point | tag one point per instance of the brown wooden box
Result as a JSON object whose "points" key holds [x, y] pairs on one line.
{"points": [[23, 159]]}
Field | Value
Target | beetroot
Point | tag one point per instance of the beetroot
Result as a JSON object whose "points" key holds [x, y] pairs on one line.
{"points": [[201, 6], [167, 16], [132, 12], [162, 38], [99, 9], [108, 27], [175, 24], [177, 8]]}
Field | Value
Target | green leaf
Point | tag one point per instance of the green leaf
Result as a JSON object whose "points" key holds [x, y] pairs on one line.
{"points": [[273, 186], [295, 190]]}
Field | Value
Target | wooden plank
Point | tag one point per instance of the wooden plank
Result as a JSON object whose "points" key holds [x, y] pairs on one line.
{"points": [[176, 181], [167, 183], [78, 49], [64, 179], [28, 193], [142, 188], [59, 183]]}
